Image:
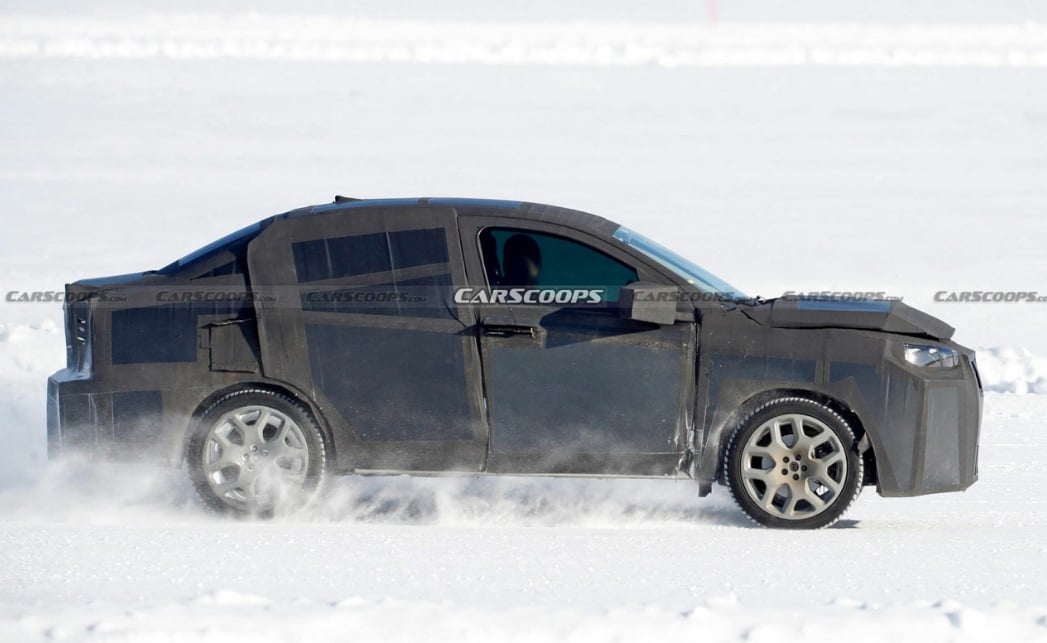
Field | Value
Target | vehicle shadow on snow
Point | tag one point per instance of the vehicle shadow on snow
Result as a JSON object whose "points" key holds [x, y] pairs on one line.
{"points": [[845, 524]]}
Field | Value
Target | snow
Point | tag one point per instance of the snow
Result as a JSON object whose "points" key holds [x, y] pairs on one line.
{"points": [[352, 39], [1009, 370], [885, 147], [95, 552]]}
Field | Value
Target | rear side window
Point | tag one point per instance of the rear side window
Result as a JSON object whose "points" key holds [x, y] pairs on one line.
{"points": [[363, 254], [404, 273], [523, 258]]}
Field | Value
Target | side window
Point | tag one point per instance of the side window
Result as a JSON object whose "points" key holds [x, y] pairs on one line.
{"points": [[404, 273], [522, 258]]}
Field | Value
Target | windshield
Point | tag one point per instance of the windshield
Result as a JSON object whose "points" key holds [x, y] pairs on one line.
{"points": [[692, 272]]}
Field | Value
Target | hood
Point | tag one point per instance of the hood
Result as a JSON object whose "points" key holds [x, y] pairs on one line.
{"points": [[881, 315]]}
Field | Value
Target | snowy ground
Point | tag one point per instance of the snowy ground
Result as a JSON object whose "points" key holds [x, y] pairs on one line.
{"points": [[90, 554], [760, 148]]}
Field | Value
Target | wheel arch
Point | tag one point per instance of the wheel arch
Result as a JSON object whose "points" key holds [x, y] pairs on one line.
{"points": [[722, 436], [265, 386]]}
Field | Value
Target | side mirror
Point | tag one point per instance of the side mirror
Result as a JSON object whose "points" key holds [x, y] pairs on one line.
{"points": [[648, 302]]}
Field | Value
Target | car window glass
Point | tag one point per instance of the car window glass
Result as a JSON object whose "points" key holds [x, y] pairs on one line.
{"points": [[404, 273], [516, 258]]}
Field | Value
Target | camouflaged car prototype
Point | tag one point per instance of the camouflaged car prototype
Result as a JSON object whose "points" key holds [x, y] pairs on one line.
{"points": [[501, 337]]}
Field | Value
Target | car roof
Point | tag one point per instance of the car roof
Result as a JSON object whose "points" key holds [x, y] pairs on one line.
{"points": [[496, 207]]}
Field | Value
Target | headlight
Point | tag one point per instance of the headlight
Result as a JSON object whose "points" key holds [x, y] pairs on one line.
{"points": [[931, 356]]}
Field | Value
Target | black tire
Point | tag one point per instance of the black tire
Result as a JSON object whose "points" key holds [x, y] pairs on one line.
{"points": [[824, 466], [256, 453]]}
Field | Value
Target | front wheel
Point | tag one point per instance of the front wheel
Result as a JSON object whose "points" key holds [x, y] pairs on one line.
{"points": [[256, 452], [794, 463]]}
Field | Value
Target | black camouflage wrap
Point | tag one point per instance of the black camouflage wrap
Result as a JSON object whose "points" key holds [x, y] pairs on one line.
{"points": [[421, 383]]}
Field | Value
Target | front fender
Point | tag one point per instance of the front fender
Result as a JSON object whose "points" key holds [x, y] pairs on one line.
{"points": [[922, 424]]}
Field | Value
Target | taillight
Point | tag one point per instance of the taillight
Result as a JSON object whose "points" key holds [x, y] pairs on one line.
{"points": [[78, 336]]}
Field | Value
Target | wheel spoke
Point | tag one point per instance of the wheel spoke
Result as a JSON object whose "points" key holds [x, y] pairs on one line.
{"points": [[223, 462], [798, 423], [293, 474], [757, 474], [222, 489], [831, 459], [768, 498], [822, 438], [245, 431], [281, 435], [776, 435], [261, 423], [223, 440], [280, 446], [762, 452], [816, 501]]}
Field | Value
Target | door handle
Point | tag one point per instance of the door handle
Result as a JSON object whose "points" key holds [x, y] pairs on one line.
{"points": [[513, 330]]}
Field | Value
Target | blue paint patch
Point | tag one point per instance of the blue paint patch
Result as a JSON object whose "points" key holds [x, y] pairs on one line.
{"points": [[475, 203], [874, 306]]}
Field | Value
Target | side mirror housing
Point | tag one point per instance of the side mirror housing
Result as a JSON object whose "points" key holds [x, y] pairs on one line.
{"points": [[647, 302]]}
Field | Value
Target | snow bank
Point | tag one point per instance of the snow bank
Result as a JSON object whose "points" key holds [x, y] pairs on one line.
{"points": [[28, 354], [1012, 370], [340, 38]]}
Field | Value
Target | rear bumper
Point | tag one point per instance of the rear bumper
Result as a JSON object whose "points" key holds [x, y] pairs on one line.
{"points": [[73, 419], [84, 418]]}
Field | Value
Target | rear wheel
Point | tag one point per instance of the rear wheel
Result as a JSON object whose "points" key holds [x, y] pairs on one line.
{"points": [[255, 452], [794, 463]]}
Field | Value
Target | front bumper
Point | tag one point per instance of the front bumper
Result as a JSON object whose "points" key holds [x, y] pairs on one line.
{"points": [[927, 439]]}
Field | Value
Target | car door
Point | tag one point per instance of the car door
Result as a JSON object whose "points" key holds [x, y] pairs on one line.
{"points": [[571, 386], [355, 308]]}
